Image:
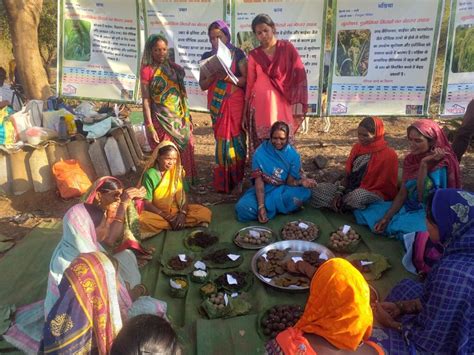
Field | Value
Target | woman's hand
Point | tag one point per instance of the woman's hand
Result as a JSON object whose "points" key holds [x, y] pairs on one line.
{"points": [[180, 220], [153, 133], [391, 308], [262, 215], [308, 183], [381, 225], [384, 317], [435, 156], [132, 193]]}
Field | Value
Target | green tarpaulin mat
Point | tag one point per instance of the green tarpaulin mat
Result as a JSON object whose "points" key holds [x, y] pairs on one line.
{"points": [[25, 269]]}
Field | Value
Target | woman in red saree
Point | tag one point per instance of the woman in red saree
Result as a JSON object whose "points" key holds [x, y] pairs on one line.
{"points": [[371, 172], [277, 87], [225, 101]]}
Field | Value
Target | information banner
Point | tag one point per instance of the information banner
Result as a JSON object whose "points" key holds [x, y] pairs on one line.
{"points": [[184, 23], [300, 21], [98, 49], [458, 84], [383, 56]]}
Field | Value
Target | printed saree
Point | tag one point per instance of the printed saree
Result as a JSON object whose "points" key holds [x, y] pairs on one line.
{"points": [[131, 226], [86, 316]]}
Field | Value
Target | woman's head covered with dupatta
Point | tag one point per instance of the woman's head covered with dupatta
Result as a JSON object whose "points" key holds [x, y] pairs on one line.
{"points": [[219, 30], [338, 308], [425, 135], [450, 215], [279, 135], [148, 58], [146, 334], [370, 129]]}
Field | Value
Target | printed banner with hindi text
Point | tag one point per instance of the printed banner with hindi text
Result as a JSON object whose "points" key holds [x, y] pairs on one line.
{"points": [[383, 56], [458, 85], [184, 23], [300, 21], [98, 50]]}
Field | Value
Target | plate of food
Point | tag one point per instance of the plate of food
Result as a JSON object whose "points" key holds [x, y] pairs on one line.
{"points": [[300, 230], [200, 239], [371, 265], [254, 237], [344, 240], [278, 318], [269, 263], [222, 256]]}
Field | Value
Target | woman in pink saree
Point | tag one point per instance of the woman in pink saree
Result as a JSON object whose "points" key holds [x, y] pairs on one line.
{"points": [[277, 87]]}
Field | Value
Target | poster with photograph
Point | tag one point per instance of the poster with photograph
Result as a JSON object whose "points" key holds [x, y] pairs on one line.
{"points": [[99, 46], [302, 22], [184, 23], [458, 84], [383, 56]]}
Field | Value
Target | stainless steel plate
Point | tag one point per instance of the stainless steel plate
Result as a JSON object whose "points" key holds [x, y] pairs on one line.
{"points": [[244, 245], [295, 248], [305, 222]]}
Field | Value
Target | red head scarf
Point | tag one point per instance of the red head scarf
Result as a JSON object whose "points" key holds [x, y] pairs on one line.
{"points": [[432, 131], [382, 171]]}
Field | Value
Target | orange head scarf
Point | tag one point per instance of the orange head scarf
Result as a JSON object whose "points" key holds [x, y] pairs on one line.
{"points": [[381, 176], [338, 307]]}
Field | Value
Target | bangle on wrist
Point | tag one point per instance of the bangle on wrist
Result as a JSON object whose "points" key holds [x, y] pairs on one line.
{"points": [[116, 219], [183, 212], [261, 207], [399, 304]]}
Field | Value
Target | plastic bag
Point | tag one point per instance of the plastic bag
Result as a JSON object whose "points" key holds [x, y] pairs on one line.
{"points": [[71, 180]]}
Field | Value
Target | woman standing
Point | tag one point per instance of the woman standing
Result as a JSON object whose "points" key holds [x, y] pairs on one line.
{"points": [[225, 101], [165, 104], [277, 88]]}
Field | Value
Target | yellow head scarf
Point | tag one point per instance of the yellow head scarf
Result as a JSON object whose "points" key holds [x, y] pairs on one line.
{"points": [[338, 307], [177, 174]]}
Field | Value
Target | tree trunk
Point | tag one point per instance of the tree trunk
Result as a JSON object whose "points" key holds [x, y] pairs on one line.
{"points": [[23, 18]]}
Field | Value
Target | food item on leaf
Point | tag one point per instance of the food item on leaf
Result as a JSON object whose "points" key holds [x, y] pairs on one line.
{"points": [[219, 256], [202, 239], [177, 264], [299, 231], [218, 300], [361, 265], [280, 317], [240, 276]]}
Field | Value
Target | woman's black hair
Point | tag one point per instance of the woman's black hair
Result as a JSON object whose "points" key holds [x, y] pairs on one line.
{"points": [[280, 126], [146, 334], [166, 149], [429, 207], [368, 123], [110, 185], [95, 213], [262, 19]]}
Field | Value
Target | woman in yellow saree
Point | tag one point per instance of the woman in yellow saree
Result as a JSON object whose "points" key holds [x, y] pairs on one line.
{"points": [[166, 205]]}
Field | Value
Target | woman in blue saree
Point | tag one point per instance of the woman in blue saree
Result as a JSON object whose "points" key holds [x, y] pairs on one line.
{"points": [[279, 186], [431, 164], [436, 317]]}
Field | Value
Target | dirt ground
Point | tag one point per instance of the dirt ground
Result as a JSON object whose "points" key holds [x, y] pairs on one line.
{"points": [[19, 214]]}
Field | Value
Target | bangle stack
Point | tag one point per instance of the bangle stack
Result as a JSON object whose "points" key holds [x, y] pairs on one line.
{"points": [[150, 128], [183, 212], [261, 207]]}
